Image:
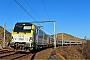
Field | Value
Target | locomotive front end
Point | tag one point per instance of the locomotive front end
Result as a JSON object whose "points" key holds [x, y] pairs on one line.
{"points": [[22, 36]]}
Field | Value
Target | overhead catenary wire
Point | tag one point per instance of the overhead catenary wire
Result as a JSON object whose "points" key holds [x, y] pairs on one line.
{"points": [[31, 9], [48, 31], [25, 10], [45, 9]]}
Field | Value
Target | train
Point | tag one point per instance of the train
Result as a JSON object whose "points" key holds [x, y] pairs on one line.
{"points": [[28, 36], [67, 42]]}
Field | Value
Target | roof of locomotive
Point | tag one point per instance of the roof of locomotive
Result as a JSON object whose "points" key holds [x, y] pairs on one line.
{"points": [[23, 23]]}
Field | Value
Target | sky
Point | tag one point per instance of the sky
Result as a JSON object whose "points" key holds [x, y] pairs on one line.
{"points": [[71, 16]]}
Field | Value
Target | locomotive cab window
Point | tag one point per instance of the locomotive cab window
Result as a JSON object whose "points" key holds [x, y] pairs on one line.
{"points": [[22, 28], [18, 28]]}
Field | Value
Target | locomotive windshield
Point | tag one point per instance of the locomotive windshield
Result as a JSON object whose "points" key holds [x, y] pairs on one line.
{"points": [[22, 28]]}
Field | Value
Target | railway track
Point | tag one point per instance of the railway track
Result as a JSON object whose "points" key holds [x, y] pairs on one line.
{"points": [[18, 55], [15, 55], [6, 51]]}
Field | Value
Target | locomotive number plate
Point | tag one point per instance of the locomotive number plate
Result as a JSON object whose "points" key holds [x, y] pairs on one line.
{"points": [[21, 39]]}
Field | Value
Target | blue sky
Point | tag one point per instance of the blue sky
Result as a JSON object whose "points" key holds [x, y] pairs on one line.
{"points": [[72, 16]]}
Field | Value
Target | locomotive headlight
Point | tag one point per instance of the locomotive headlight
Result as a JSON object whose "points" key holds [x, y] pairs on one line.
{"points": [[30, 38], [12, 37]]}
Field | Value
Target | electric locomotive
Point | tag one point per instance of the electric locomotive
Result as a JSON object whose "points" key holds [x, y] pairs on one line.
{"points": [[26, 35]]}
